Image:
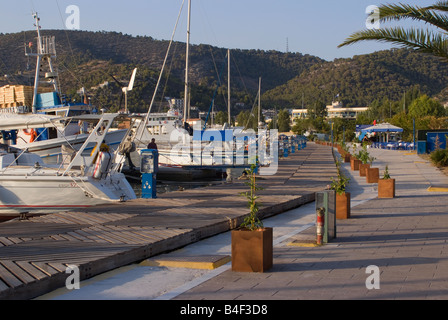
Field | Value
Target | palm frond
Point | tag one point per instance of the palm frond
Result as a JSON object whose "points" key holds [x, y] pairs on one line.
{"points": [[440, 6], [418, 39], [423, 14]]}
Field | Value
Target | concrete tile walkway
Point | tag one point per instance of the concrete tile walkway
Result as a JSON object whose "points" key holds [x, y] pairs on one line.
{"points": [[405, 238]]}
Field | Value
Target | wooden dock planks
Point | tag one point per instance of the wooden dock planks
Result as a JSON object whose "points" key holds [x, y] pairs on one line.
{"points": [[34, 254]]}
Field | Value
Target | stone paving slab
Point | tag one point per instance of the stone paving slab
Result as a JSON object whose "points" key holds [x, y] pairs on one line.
{"points": [[405, 237], [105, 238]]}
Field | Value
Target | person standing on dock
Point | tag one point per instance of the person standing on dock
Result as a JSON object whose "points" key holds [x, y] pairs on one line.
{"points": [[152, 145], [127, 148]]}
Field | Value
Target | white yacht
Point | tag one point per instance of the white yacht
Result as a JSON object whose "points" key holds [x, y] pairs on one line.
{"points": [[90, 177]]}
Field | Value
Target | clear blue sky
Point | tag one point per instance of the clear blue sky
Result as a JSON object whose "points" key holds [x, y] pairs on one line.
{"points": [[313, 27]]}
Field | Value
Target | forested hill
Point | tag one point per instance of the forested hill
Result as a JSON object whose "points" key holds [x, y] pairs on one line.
{"points": [[362, 79], [88, 59]]}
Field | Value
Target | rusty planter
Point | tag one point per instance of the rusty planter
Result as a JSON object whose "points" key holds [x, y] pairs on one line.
{"points": [[386, 188], [347, 158], [252, 251], [363, 168], [372, 175], [354, 164], [343, 206]]}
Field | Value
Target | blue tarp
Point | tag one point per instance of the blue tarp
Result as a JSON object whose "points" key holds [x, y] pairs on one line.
{"points": [[436, 140], [360, 127], [213, 135]]}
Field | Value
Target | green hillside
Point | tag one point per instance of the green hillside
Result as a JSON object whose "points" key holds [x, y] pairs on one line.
{"points": [[363, 79], [89, 59]]}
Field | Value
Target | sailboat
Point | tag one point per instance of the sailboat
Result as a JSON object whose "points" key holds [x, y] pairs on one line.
{"points": [[19, 102], [87, 178], [196, 148]]}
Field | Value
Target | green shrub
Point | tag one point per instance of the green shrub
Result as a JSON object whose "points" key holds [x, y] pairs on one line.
{"points": [[341, 182], [440, 157]]}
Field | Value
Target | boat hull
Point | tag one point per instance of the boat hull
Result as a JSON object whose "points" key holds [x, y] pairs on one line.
{"points": [[20, 194]]}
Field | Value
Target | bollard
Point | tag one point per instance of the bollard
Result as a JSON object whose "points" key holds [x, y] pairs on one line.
{"points": [[326, 201], [320, 225]]}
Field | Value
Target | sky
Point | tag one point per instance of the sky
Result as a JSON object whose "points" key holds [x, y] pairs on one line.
{"points": [[313, 27]]}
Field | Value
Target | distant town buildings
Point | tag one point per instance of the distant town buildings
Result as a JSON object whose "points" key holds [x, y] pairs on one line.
{"points": [[177, 104], [335, 110]]}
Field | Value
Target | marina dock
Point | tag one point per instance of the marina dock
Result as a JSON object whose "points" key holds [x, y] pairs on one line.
{"points": [[35, 253]]}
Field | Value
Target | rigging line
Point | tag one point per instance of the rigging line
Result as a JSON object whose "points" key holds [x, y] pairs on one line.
{"points": [[69, 44], [168, 76], [240, 75], [217, 73], [214, 95], [32, 5], [144, 123], [252, 114]]}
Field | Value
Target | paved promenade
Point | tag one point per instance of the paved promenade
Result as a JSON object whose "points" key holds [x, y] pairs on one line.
{"points": [[405, 237], [35, 254]]}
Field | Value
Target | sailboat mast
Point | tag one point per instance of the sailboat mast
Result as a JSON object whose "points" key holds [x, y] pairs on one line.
{"points": [[46, 50], [39, 61], [259, 102], [229, 105], [187, 65]]}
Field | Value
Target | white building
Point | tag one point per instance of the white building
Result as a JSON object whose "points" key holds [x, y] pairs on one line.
{"points": [[335, 110], [177, 104]]}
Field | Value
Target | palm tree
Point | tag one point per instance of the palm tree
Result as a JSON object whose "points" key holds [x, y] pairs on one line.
{"points": [[423, 40]]}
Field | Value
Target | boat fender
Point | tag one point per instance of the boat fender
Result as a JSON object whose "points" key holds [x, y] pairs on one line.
{"points": [[102, 164], [32, 133]]}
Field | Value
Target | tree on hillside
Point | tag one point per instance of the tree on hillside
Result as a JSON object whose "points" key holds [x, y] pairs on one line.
{"points": [[317, 110], [247, 120], [425, 106], [423, 40], [284, 121], [221, 117]]}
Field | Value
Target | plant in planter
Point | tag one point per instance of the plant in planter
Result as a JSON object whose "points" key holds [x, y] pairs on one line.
{"points": [[252, 243], [345, 152], [386, 186], [366, 160], [354, 160], [342, 197], [372, 174]]}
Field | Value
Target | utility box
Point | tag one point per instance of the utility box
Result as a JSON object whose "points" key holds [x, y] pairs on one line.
{"points": [[421, 147], [149, 166], [327, 201]]}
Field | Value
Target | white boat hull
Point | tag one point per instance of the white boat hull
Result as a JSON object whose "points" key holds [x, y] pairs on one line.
{"points": [[25, 194]]}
